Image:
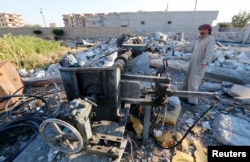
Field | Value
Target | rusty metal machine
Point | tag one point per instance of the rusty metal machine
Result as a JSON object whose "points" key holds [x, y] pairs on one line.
{"points": [[98, 96]]}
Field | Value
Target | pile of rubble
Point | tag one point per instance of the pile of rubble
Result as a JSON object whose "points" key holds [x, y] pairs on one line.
{"points": [[230, 62], [228, 75]]}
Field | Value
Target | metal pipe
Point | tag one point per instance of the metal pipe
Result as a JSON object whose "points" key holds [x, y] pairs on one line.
{"points": [[122, 60], [194, 94], [146, 78], [146, 123]]}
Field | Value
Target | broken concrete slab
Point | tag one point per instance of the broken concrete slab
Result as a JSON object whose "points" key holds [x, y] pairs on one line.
{"points": [[210, 87], [171, 63], [243, 100], [246, 61], [140, 64], [173, 110], [230, 130], [239, 91], [213, 73], [222, 74]]}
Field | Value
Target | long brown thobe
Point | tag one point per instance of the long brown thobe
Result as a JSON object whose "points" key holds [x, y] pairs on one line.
{"points": [[202, 53]]}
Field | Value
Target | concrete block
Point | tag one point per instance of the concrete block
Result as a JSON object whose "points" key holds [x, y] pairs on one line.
{"points": [[239, 91], [231, 130], [245, 61], [10, 82]]}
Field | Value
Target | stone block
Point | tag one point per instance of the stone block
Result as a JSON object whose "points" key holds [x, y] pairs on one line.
{"points": [[244, 60], [239, 91], [231, 130], [10, 82]]}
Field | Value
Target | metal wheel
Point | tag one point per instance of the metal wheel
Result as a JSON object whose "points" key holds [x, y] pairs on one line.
{"points": [[61, 136]]}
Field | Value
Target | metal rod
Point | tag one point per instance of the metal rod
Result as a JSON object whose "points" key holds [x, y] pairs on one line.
{"points": [[194, 94], [145, 78], [147, 112], [136, 100]]}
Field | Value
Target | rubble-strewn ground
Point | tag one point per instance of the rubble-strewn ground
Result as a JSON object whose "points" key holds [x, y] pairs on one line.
{"points": [[151, 151], [135, 151]]}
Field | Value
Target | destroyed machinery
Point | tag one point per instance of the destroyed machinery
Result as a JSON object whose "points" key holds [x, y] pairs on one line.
{"points": [[100, 96]]}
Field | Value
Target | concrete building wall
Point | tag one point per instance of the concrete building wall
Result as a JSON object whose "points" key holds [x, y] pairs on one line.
{"points": [[155, 21], [111, 20], [108, 32], [69, 32], [94, 21]]}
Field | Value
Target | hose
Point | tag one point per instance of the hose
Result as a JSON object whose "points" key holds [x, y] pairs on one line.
{"points": [[27, 126], [23, 124], [190, 128]]}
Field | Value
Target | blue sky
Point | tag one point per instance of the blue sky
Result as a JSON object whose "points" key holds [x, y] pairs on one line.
{"points": [[54, 9]]}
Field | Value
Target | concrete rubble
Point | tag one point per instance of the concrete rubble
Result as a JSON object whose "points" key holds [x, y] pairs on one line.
{"points": [[228, 73], [231, 130]]}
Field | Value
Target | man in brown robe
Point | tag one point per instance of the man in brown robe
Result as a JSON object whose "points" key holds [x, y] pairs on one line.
{"points": [[201, 57]]}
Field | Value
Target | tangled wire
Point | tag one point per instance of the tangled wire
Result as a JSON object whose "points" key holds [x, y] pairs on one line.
{"points": [[20, 122]]}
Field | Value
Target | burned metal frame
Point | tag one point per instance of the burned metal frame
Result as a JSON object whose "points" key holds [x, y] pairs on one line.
{"points": [[110, 88], [101, 85]]}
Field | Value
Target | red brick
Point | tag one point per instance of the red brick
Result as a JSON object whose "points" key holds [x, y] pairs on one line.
{"points": [[10, 82]]}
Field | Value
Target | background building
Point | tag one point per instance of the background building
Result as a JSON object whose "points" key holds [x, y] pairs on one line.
{"points": [[74, 20], [52, 24], [142, 21], [8, 20]]}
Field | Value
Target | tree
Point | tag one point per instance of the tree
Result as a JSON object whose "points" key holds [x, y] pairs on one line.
{"points": [[241, 19]]}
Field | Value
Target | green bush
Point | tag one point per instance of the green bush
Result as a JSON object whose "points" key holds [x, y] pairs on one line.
{"points": [[225, 25], [37, 32], [58, 32]]}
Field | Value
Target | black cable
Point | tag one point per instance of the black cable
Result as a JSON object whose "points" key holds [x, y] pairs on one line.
{"points": [[26, 85], [56, 87], [157, 118], [33, 82], [27, 124], [109, 54], [22, 95], [24, 125], [179, 142]]}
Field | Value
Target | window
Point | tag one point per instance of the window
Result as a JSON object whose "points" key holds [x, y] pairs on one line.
{"points": [[169, 22], [124, 26], [142, 22]]}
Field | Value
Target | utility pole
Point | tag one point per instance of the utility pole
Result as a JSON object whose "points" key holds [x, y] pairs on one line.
{"points": [[165, 21], [194, 12], [41, 12]]}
